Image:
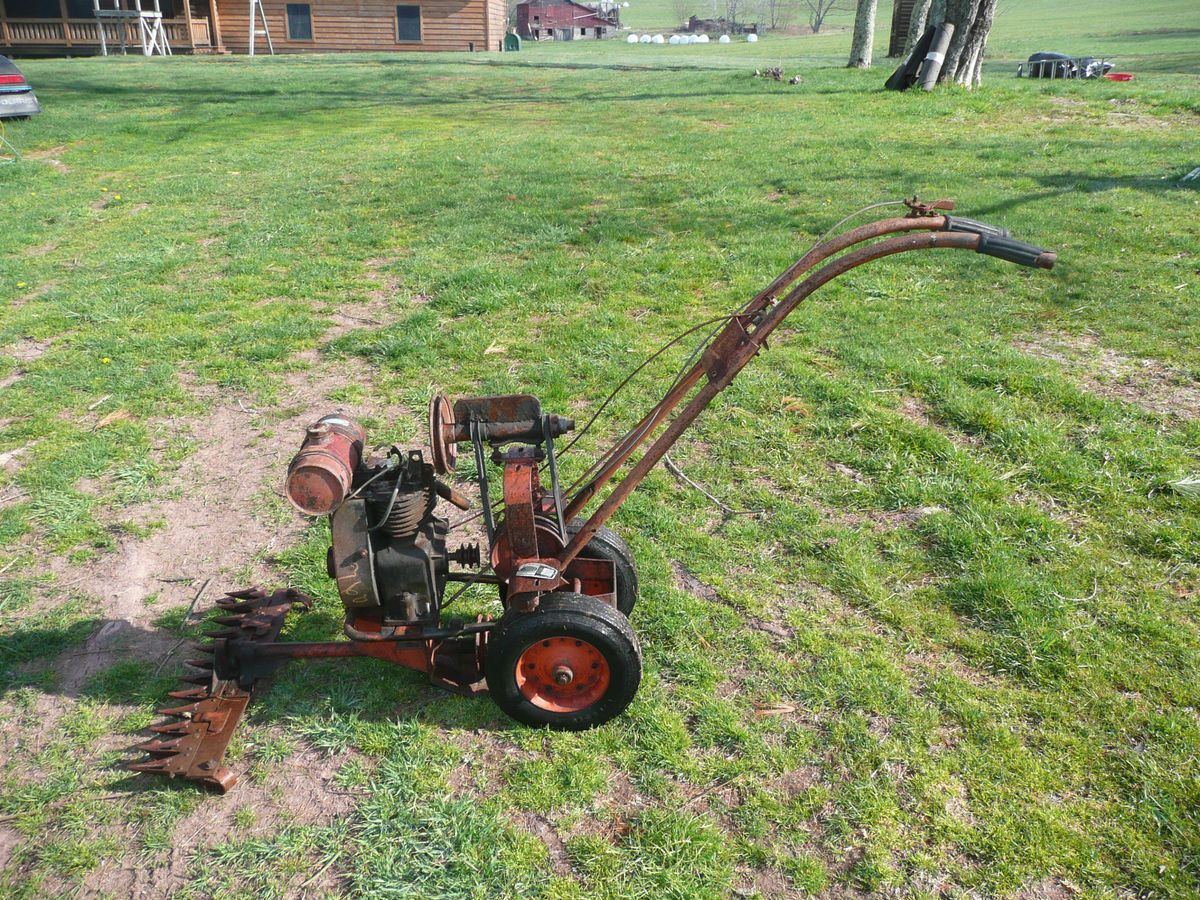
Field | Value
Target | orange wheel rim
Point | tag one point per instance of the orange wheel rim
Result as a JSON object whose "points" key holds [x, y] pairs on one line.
{"points": [[562, 674]]}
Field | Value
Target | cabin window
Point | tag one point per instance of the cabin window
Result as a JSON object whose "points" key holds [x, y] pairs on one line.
{"points": [[408, 23], [299, 22]]}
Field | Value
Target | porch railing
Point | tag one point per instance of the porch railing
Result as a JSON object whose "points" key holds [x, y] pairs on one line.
{"points": [[86, 32]]}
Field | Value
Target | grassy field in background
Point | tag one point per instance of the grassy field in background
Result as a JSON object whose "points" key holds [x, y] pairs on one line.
{"points": [[1156, 36], [957, 655]]}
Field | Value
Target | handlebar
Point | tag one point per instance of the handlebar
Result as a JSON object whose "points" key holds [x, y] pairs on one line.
{"points": [[999, 242]]}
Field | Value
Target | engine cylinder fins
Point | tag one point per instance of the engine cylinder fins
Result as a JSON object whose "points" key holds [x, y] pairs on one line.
{"points": [[442, 446], [321, 474], [408, 511]]}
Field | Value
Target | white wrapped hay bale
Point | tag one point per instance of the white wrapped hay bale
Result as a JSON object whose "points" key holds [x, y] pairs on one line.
{"points": [[674, 39], [658, 39], [723, 39], [645, 39], [702, 39], [752, 39], [632, 39]]}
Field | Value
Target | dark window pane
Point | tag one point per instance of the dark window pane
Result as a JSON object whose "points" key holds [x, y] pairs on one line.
{"points": [[299, 21], [408, 23], [33, 9]]}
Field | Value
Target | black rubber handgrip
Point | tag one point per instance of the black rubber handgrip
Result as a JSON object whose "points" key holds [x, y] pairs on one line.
{"points": [[973, 226], [1019, 252]]}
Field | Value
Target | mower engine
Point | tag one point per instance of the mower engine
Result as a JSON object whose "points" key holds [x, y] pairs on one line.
{"points": [[388, 554]]}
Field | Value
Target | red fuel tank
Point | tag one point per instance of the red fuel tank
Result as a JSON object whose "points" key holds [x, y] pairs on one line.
{"points": [[320, 475]]}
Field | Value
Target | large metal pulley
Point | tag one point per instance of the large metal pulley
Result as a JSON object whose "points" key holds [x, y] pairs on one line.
{"points": [[442, 446]]}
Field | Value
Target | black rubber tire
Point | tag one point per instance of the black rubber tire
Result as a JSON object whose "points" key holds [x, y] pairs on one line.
{"points": [[565, 614], [607, 544]]}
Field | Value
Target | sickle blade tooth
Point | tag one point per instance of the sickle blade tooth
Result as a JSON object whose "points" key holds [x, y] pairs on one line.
{"points": [[158, 747], [189, 694], [172, 728], [229, 620], [200, 663], [151, 767], [245, 593], [209, 649], [197, 679], [180, 711], [221, 633]]}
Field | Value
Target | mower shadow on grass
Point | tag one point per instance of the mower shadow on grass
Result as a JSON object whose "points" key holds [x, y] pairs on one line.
{"points": [[331, 705]]}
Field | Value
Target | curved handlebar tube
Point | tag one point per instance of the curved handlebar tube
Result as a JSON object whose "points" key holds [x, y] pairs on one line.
{"points": [[745, 334]]}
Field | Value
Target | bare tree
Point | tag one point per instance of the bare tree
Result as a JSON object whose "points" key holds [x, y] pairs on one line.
{"points": [[683, 10], [778, 13], [818, 10], [863, 44], [964, 58], [916, 24]]}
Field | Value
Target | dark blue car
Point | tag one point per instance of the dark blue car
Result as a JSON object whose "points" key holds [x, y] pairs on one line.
{"points": [[17, 100]]}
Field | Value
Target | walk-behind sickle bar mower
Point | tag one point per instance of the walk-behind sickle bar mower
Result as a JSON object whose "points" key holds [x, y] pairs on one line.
{"points": [[563, 653]]}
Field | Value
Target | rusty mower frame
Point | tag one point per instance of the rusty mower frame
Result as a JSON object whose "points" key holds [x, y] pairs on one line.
{"points": [[563, 654]]}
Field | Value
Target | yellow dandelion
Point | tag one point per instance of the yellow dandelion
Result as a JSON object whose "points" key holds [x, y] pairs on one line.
{"points": [[20, 284], [106, 360]]}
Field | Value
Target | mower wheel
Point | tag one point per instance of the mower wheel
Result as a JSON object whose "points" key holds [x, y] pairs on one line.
{"points": [[573, 663], [607, 544]]}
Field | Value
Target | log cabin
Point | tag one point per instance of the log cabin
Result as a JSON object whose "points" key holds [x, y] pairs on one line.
{"points": [[71, 28]]}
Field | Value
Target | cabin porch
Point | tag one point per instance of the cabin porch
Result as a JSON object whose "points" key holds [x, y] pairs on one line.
{"points": [[69, 27]]}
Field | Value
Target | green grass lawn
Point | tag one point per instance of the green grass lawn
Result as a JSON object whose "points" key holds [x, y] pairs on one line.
{"points": [[957, 655]]}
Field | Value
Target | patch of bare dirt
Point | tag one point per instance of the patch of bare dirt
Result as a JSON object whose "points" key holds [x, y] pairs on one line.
{"points": [[214, 521], [1047, 889], [9, 841], [41, 249], [957, 805], [686, 580], [50, 157], [560, 858], [879, 520], [793, 783], [10, 460], [916, 410], [388, 284], [763, 882], [27, 349], [1147, 383], [298, 791], [485, 757], [845, 471]]}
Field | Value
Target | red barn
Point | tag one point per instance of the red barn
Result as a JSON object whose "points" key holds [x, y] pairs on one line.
{"points": [[564, 20]]}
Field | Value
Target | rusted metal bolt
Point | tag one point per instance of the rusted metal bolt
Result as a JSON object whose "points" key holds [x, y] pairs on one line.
{"points": [[563, 675]]}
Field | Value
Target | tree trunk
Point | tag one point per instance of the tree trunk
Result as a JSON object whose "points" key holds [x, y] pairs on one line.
{"points": [[964, 59], [916, 24], [864, 35]]}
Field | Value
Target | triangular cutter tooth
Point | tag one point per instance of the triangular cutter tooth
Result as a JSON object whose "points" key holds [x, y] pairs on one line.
{"points": [[246, 593], [196, 693], [197, 679], [200, 663], [174, 728], [229, 620], [221, 633], [158, 747], [151, 766], [180, 711], [209, 649]]}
